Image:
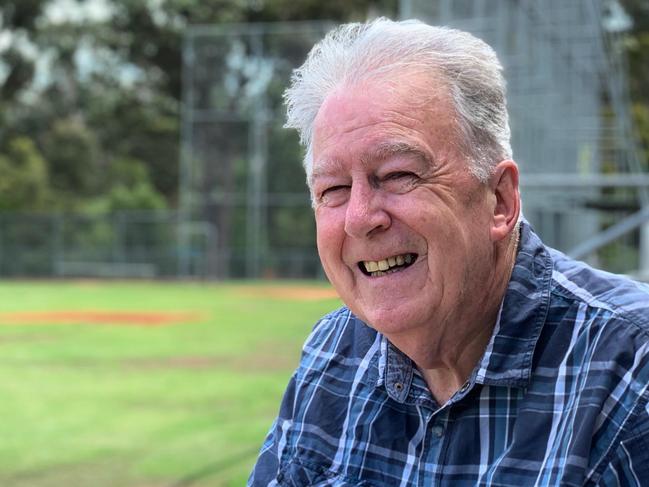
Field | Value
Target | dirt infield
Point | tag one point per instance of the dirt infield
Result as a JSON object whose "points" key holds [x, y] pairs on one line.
{"points": [[132, 318], [291, 293]]}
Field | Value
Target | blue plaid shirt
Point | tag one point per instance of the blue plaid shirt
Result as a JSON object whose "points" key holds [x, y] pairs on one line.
{"points": [[559, 397]]}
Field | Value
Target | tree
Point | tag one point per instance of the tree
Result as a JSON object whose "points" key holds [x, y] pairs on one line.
{"points": [[131, 187], [72, 151], [113, 87], [17, 22], [24, 182], [637, 51]]}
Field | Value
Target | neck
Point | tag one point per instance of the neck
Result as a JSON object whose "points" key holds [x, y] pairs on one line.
{"points": [[447, 353], [450, 374]]}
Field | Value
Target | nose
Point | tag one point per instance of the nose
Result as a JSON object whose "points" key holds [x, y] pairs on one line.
{"points": [[366, 214]]}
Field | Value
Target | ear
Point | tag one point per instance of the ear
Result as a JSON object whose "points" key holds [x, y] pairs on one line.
{"points": [[504, 186]]}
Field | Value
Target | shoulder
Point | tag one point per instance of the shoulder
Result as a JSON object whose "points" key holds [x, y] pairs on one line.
{"points": [[597, 334], [337, 366], [338, 339], [340, 332], [601, 295], [591, 365]]}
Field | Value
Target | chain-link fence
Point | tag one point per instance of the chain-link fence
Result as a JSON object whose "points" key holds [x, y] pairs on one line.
{"points": [[143, 244], [240, 170], [125, 244], [244, 207]]}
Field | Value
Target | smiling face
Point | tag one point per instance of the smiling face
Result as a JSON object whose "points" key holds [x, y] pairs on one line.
{"points": [[404, 230]]}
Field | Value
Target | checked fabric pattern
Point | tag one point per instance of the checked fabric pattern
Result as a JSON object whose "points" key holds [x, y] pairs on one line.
{"points": [[558, 399]]}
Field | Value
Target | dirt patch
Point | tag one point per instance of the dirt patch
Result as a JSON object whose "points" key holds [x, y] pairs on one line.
{"points": [[132, 318], [293, 293]]}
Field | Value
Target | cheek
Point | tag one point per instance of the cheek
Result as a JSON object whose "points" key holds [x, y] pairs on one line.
{"points": [[446, 238], [329, 237]]}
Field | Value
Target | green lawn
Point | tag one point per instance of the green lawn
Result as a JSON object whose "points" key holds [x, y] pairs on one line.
{"points": [[184, 404]]}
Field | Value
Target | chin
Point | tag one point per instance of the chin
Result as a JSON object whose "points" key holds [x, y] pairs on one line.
{"points": [[388, 322]]}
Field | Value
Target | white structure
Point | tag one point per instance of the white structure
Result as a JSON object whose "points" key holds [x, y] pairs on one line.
{"points": [[569, 109]]}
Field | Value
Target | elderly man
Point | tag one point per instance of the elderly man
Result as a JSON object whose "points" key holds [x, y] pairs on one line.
{"points": [[468, 353]]}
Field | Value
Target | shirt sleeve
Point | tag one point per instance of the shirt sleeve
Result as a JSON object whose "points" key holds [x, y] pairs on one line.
{"points": [[629, 465], [277, 450], [268, 463]]}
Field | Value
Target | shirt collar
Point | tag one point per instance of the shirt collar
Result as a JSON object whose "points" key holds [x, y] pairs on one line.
{"points": [[508, 357], [507, 361]]}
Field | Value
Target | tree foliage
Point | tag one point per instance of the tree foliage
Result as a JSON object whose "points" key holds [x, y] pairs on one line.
{"points": [[637, 51], [24, 183], [82, 93]]}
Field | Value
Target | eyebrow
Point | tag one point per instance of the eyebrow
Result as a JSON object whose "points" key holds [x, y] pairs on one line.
{"points": [[386, 150], [383, 151], [330, 169]]}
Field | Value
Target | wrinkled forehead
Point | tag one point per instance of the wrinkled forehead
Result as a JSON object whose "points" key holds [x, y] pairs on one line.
{"points": [[386, 116]]}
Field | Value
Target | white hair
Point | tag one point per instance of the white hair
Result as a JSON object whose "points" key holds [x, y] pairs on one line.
{"points": [[381, 49]]}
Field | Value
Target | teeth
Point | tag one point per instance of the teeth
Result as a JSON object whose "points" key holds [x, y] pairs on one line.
{"points": [[381, 266]]}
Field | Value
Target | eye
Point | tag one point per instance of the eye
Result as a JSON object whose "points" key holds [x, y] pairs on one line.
{"points": [[334, 195], [398, 175], [333, 189], [399, 181]]}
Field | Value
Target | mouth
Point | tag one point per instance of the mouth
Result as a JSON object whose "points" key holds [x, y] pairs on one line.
{"points": [[396, 263]]}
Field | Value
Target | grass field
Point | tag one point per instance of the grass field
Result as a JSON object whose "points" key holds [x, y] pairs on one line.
{"points": [[118, 401]]}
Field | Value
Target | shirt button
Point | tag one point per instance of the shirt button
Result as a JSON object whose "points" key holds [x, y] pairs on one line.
{"points": [[438, 430], [398, 386], [465, 387]]}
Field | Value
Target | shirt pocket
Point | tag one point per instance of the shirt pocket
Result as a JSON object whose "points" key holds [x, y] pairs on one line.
{"points": [[299, 473]]}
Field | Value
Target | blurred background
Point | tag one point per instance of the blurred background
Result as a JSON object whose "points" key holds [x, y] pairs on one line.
{"points": [[144, 138], [147, 186]]}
